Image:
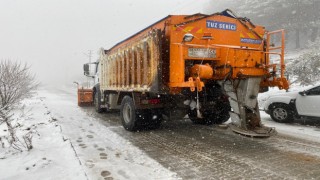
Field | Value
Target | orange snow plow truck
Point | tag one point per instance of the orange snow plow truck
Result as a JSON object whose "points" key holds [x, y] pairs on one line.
{"points": [[211, 67]]}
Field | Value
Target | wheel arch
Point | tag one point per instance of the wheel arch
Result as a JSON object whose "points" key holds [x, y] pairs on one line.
{"points": [[276, 104], [123, 94], [291, 105], [277, 100], [96, 88]]}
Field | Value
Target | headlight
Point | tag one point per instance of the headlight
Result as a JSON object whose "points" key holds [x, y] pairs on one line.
{"points": [[187, 37]]}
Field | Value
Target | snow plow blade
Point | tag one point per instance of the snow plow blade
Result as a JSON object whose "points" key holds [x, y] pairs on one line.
{"points": [[85, 97]]}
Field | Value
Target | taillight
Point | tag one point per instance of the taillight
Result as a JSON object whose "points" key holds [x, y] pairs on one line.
{"points": [[154, 101], [150, 101]]}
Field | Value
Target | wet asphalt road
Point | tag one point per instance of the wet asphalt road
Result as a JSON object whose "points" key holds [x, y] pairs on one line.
{"points": [[214, 152]]}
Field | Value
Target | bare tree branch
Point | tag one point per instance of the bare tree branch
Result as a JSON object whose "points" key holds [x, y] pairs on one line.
{"points": [[16, 84]]}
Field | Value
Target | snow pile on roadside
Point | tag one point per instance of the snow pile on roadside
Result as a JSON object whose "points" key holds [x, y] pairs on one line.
{"points": [[69, 144], [51, 156], [310, 133]]}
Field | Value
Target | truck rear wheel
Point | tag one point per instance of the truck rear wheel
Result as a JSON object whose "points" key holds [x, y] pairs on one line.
{"points": [[128, 115], [152, 118], [217, 115], [221, 113], [196, 120]]}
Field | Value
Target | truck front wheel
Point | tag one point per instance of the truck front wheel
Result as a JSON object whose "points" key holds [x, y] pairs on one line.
{"points": [[128, 114], [97, 101]]}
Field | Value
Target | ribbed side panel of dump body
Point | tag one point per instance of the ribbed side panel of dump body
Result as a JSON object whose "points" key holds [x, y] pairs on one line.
{"points": [[133, 67]]}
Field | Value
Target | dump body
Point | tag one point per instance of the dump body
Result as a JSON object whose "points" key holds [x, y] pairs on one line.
{"points": [[133, 66], [158, 60]]}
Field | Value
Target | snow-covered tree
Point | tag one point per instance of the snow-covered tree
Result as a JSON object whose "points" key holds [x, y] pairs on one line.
{"points": [[16, 84], [305, 70], [300, 18]]}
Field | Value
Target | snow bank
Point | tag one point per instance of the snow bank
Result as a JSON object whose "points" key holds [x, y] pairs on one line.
{"points": [[51, 157], [70, 144]]}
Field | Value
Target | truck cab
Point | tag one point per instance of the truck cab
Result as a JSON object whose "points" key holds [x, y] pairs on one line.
{"points": [[92, 70]]}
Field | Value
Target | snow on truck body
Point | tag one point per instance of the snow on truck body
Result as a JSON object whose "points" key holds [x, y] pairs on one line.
{"points": [[215, 61]]}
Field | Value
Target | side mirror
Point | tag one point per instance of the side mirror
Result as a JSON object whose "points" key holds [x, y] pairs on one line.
{"points": [[89, 69], [302, 93], [86, 69]]}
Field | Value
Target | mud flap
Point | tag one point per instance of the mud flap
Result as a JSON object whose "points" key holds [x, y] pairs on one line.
{"points": [[245, 117]]}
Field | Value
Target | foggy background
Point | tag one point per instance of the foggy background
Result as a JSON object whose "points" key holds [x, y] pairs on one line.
{"points": [[56, 36]]}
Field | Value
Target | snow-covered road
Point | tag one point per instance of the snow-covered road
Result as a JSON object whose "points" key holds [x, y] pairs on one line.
{"points": [[78, 143], [103, 152]]}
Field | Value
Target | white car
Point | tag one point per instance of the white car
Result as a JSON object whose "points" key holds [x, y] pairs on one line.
{"points": [[285, 107]]}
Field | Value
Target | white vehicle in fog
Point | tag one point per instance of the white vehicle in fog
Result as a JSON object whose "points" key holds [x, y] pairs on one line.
{"points": [[285, 107]]}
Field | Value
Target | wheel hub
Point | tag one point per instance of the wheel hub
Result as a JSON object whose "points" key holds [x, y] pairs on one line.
{"points": [[127, 113], [280, 113]]}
